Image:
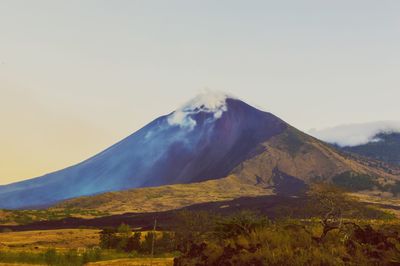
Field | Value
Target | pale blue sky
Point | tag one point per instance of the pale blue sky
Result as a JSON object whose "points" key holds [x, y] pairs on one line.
{"points": [[76, 76]]}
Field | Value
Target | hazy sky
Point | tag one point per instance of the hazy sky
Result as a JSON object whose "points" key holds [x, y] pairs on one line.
{"points": [[77, 76]]}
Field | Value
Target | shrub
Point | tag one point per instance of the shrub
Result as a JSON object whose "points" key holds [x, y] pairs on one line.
{"points": [[133, 243], [108, 238], [166, 243], [148, 242], [242, 223]]}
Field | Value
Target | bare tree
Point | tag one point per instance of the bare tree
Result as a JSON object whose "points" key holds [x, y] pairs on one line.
{"points": [[332, 202]]}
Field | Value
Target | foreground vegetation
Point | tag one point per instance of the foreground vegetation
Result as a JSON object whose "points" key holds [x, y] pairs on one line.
{"points": [[339, 235], [336, 237], [338, 231], [239, 241]]}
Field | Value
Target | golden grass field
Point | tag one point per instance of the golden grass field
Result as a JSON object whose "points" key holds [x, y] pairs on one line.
{"points": [[42, 240], [139, 200], [65, 239], [165, 198], [120, 262], [380, 200], [58, 239], [17, 264], [135, 262]]}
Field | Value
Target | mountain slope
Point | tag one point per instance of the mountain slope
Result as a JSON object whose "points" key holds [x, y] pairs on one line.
{"points": [[211, 137], [205, 139], [165, 198], [308, 159], [283, 165]]}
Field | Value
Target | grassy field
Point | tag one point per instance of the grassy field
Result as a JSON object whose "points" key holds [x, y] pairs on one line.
{"points": [[165, 198], [61, 239], [42, 240], [18, 217], [136, 262], [33, 244], [379, 200], [119, 262], [18, 264], [140, 200]]}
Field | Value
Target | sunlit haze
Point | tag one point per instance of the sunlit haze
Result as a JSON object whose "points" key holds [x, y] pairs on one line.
{"points": [[78, 76]]}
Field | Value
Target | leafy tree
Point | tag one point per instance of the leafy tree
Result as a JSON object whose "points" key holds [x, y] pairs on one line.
{"points": [[148, 242], [134, 243], [108, 238], [124, 232], [166, 243]]}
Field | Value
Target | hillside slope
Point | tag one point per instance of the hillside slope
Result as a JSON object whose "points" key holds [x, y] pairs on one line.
{"points": [[296, 154], [164, 198]]}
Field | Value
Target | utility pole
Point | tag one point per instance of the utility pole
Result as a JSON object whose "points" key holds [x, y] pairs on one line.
{"points": [[152, 242]]}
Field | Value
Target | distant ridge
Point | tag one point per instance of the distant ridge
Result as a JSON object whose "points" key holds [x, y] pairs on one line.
{"points": [[384, 147]]}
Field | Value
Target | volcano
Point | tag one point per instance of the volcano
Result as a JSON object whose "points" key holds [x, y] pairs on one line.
{"points": [[210, 137]]}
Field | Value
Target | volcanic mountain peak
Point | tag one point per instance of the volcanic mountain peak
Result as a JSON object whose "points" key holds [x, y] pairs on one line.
{"points": [[211, 137], [207, 102], [204, 139]]}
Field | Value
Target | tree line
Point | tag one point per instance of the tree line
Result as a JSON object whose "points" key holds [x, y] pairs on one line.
{"points": [[125, 240]]}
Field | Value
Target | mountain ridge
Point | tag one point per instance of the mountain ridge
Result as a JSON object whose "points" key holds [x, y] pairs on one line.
{"points": [[384, 147]]}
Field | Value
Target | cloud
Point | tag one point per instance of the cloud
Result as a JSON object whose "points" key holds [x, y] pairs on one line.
{"points": [[208, 101], [355, 134]]}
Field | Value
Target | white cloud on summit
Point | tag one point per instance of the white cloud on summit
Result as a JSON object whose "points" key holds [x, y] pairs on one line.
{"points": [[208, 101], [355, 134]]}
